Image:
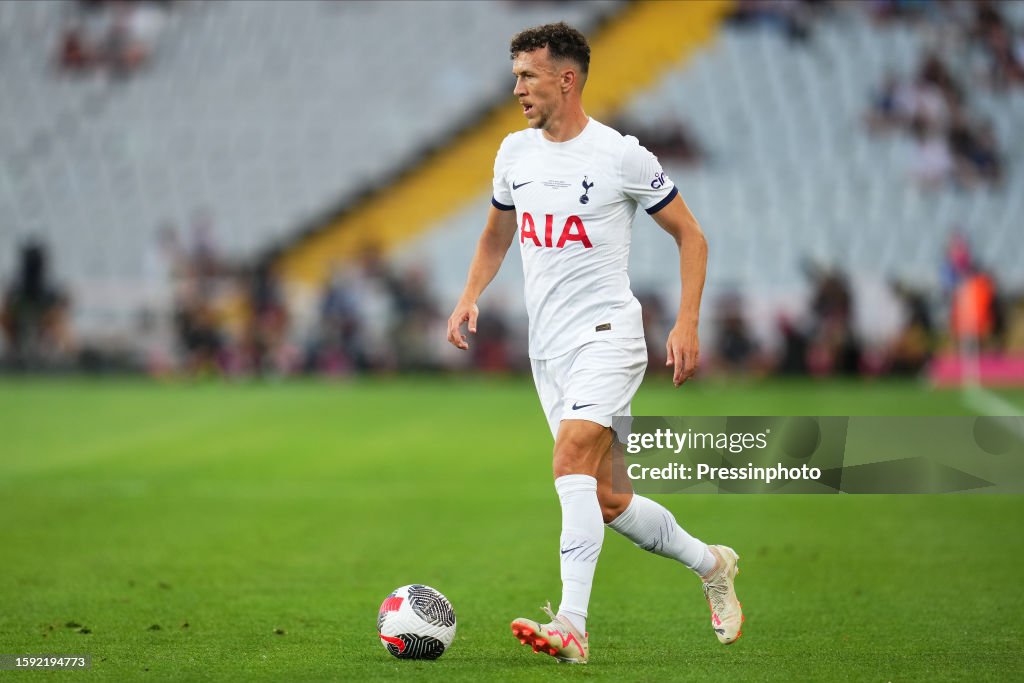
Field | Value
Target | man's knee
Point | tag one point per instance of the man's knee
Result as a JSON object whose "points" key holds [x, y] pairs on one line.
{"points": [[579, 448], [572, 458]]}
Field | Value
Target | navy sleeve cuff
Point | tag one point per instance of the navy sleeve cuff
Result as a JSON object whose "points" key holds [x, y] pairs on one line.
{"points": [[663, 203], [501, 207]]}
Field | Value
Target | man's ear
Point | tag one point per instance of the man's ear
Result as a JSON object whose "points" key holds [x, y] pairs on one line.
{"points": [[568, 80]]}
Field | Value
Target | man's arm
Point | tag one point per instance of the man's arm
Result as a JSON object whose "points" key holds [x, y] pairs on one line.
{"points": [[683, 346], [490, 252]]}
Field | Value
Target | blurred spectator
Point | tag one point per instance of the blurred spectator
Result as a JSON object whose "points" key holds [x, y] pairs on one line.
{"points": [[417, 313], [979, 157], [266, 337], [669, 140], [939, 88], [922, 102], [163, 265], [1002, 47], [375, 318], [793, 356], [358, 313], [375, 288], [974, 317], [912, 348], [735, 347], [34, 314], [892, 106], [198, 277], [884, 11], [832, 299], [204, 261], [956, 263], [794, 18], [200, 334], [122, 49], [76, 54], [489, 347], [1015, 325], [834, 346], [932, 162], [199, 318], [950, 144], [334, 343], [117, 35]]}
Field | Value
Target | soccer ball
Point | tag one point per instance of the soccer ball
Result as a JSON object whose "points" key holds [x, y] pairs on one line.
{"points": [[416, 622]]}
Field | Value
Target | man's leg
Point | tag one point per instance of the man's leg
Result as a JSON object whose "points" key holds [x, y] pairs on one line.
{"points": [[645, 522], [652, 527], [579, 449]]}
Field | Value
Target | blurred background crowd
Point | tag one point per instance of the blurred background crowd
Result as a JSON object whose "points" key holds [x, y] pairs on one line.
{"points": [[896, 253]]}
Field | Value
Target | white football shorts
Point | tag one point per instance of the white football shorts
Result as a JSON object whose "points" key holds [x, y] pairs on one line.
{"points": [[595, 381]]}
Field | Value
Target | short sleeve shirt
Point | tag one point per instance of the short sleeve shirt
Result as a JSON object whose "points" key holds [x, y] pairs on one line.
{"points": [[575, 202]]}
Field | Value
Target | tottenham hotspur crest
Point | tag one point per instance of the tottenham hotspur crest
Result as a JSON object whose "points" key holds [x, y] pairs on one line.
{"points": [[586, 188]]}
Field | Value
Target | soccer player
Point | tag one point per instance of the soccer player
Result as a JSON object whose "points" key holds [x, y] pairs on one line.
{"points": [[567, 188]]}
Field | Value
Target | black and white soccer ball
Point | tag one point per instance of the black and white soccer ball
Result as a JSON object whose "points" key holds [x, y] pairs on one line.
{"points": [[416, 622]]}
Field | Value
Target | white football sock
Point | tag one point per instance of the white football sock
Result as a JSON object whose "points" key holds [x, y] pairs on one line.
{"points": [[580, 544], [653, 528]]}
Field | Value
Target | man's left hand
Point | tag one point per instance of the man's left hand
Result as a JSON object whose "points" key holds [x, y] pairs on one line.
{"points": [[683, 351]]}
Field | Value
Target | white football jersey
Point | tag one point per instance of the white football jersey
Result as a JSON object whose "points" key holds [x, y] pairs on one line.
{"points": [[575, 202]]}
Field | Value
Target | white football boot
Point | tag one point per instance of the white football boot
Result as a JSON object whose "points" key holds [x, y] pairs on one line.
{"points": [[726, 611]]}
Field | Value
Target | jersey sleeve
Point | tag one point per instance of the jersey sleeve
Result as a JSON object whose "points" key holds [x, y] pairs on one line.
{"points": [[643, 180], [502, 196]]}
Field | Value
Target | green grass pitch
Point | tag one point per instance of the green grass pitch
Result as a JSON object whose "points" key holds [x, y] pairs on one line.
{"points": [[212, 531]]}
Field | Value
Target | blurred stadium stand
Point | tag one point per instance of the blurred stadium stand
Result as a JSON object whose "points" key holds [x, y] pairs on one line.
{"points": [[792, 176], [251, 121], [257, 115]]}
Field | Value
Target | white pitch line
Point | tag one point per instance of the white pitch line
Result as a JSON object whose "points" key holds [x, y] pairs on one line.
{"points": [[977, 397]]}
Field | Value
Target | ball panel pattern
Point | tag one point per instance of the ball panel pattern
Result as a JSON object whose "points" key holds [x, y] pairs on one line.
{"points": [[417, 647], [431, 606]]}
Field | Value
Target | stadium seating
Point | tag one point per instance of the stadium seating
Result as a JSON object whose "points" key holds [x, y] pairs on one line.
{"points": [[257, 112], [261, 114], [793, 174]]}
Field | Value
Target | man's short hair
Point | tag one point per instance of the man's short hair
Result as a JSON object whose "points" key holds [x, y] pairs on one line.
{"points": [[562, 40]]}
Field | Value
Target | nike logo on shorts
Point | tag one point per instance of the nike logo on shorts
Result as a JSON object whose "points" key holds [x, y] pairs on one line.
{"points": [[585, 405]]}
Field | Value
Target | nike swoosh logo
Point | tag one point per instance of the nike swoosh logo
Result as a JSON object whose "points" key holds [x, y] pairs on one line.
{"points": [[585, 405], [569, 550], [397, 642], [516, 187]]}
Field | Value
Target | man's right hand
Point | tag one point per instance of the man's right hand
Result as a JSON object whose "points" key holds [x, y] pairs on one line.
{"points": [[463, 313]]}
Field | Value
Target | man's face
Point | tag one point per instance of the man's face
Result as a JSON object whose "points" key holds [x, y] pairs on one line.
{"points": [[538, 86]]}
